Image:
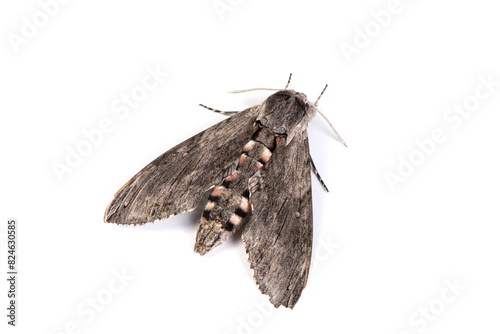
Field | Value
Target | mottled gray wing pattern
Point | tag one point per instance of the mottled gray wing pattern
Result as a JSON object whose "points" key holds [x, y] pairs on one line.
{"points": [[278, 236], [175, 181]]}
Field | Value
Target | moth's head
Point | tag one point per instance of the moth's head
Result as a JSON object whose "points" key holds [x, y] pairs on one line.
{"points": [[286, 113]]}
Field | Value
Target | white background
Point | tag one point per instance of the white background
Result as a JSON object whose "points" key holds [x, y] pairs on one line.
{"points": [[382, 257]]}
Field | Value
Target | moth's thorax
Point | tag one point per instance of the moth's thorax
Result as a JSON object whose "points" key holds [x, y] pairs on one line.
{"points": [[287, 113]]}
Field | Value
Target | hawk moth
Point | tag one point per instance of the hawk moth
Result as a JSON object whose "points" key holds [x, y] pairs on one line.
{"points": [[257, 168]]}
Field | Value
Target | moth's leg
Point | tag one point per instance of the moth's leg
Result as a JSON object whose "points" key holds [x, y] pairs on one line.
{"points": [[227, 113], [315, 171], [320, 95], [288, 82]]}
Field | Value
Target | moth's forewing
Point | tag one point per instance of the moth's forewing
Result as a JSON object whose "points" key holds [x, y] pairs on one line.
{"points": [[175, 182], [278, 236]]}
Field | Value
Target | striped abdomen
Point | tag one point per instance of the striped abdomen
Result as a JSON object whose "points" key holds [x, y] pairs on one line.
{"points": [[228, 204]]}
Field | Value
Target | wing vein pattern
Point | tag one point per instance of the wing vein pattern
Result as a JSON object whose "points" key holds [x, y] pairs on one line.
{"points": [[157, 191], [278, 236]]}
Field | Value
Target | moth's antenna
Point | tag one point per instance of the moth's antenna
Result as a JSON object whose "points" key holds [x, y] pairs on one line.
{"points": [[249, 90], [252, 89], [333, 129], [288, 83], [326, 119]]}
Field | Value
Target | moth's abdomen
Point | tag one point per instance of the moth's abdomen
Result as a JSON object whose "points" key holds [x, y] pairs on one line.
{"points": [[228, 204], [224, 213], [257, 152]]}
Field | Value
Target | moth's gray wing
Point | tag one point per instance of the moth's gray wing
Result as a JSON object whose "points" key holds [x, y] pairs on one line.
{"points": [[278, 235], [175, 181]]}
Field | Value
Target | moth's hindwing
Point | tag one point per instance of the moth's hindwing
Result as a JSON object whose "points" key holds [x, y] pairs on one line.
{"points": [[278, 236], [175, 182]]}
